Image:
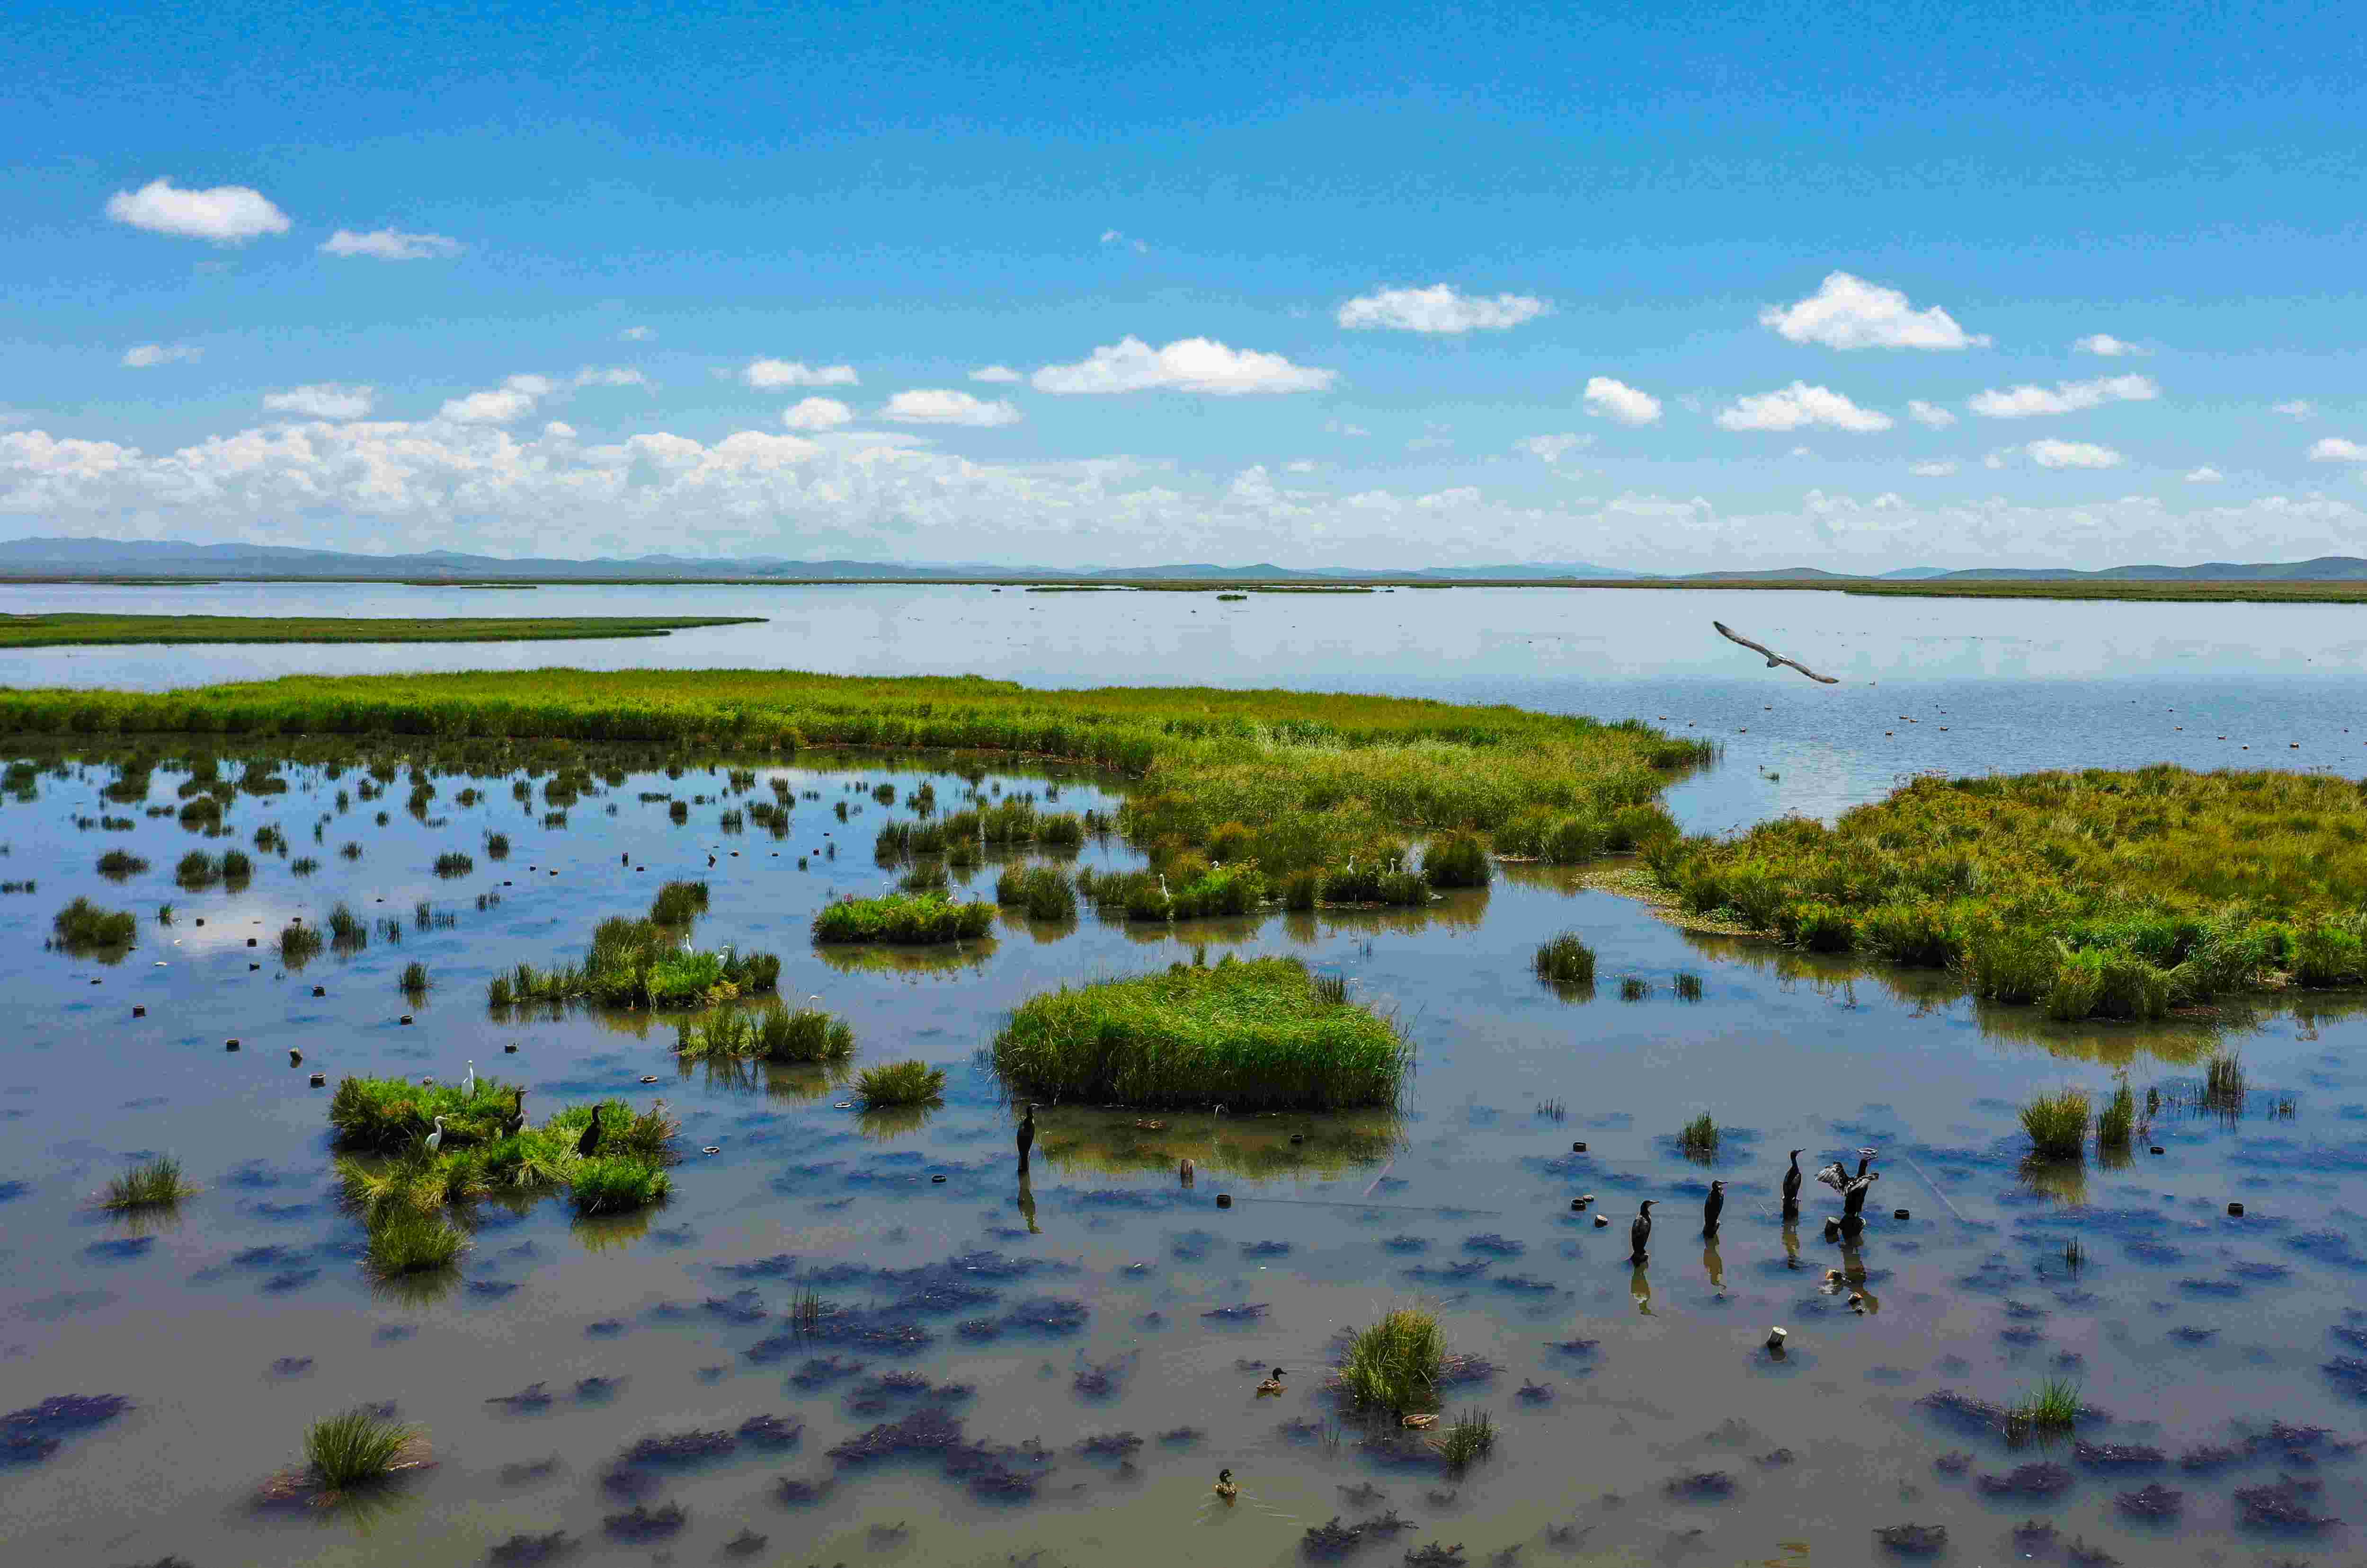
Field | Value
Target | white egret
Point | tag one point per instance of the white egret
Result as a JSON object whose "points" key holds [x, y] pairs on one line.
{"points": [[435, 1138], [469, 1085]]}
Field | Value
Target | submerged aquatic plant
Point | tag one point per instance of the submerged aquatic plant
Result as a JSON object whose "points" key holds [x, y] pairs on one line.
{"points": [[899, 1083], [153, 1184], [2057, 1123], [1394, 1365], [1253, 1035]]}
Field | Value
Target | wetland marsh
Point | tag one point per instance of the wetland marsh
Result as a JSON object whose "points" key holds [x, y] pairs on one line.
{"points": [[856, 1330]]}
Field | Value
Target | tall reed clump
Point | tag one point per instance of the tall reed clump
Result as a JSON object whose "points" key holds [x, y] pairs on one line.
{"points": [[298, 943], [1469, 1437], [1259, 1034], [1455, 860], [1042, 892], [1566, 963], [773, 1034], [2052, 1406], [83, 925], [1698, 1139], [678, 903], [2116, 1124], [116, 865], [899, 1083], [902, 917], [413, 982], [452, 862], [1395, 1366], [2098, 894], [2057, 1123], [404, 1239], [2223, 1081], [152, 1184], [360, 1449], [1320, 774]]}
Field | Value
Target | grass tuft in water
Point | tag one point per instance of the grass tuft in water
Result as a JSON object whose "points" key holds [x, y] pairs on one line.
{"points": [[1043, 892], [414, 979], [2052, 1406], [2075, 1253], [1455, 860], [899, 1083], [2223, 1081], [2057, 1123], [613, 1184], [82, 924], [1566, 963], [906, 918], [774, 1034], [1469, 1437], [154, 1184], [299, 943], [2117, 1122], [356, 1450], [678, 903], [1250, 1034], [1394, 1365], [407, 1239], [1698, 1139]]}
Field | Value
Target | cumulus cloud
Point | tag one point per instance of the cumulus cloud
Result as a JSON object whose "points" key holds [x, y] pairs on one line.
{"points": [[772, 375], [1551, 448], [2053, 454], [1799, 405], [2205, 475], [1929, 415], [390, 244], [1438, 309], [325, 400], [1938, 470], [228, 215], [2337, 450], [513, 400], [1850, 312], [1607, 399], [147, 356], [638, 335], [817, 414], [2106, 345], [940, 405], [2064, 397], [1188, 365], [995, 373]]}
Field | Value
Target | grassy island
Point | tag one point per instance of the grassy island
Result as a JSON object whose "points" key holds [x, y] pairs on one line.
{"points": [[1264, 1034], [2093, 894], [81, 630]]}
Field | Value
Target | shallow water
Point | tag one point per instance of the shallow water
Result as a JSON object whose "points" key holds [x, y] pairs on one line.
{"points": [[234, 1325]]}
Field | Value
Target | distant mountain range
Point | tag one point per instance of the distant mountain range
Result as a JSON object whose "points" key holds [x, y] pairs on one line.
{"points": [[68, 557]]}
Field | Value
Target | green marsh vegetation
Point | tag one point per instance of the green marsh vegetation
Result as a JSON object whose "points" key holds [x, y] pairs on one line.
{"points": [[298, 943], [903, 919], [152, 1184], [1258, 1034], [83, 630], [2052, 1406], [899, 1083], [2223, 1081], [453, 863], [2116, 1124], [771, 1034], [1471, 1436], [1394, 1367], [2118, 895], [117, 865], [1566, 964], [1698, 1139], [644, 964], [1455, 860], [414, 981], [1041, 892], [2058, 1124], [405, 1239], [83, 927], [358, 1450]]}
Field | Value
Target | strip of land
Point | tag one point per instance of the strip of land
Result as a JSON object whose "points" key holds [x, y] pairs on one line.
{"points": [[97, 631]]}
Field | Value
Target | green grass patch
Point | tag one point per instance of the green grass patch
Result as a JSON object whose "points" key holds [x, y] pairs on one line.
{"points": [[907, 918], [152, 1184], [356, 1450], [116, 865], [1394, 1366], [2116, 1124], [2052, 1406], [1566, 963], [1469, 1437], [1259, 1034], [2097, 894], [678, 903], [407, 1239], [2057, 1123], [82, 926], [773, 1034], [1455, 860], [641, 964], [1041, 892], [85, 630], [1698, 1139], [615, 1184], [899, 1083]]}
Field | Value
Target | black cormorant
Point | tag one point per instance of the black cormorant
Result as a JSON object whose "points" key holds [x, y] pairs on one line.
{"points": [[1714, 1206], [1639, 1234], [1791, 1184], [1027, 1134], [589, 1144]]}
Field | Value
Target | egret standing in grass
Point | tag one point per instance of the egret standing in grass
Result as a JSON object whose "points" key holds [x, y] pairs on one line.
{"points": [[1639, 1234], [1027, 1134], [589, 1144], [435, 1138], [469, 1084]]}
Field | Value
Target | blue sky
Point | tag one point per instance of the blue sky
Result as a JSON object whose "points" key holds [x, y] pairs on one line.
{"points": [[1702, 285]]}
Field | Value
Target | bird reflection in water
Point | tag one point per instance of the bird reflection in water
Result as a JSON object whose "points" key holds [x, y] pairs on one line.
{"points": [[1028, 1204], [1853, 1274], [1790, 1244], [1639, 1285], [1714, 1266]]}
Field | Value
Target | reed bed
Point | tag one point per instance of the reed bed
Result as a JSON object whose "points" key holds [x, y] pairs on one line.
{"points": [[1259, 1034], [1321, 775], [83, 925], [2057, 1123], [771, 1034], [641, 964], [2092, 894], [1456, 860], [904, 918], [1042, 892]]}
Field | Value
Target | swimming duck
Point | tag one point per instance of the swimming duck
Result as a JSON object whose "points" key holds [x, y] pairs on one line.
{"points": [[1272, 1384], [1224, 1485], [1420, 1423]]}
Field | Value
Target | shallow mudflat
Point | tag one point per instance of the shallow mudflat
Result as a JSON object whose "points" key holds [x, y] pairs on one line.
{"points": [[1059, 1365]]}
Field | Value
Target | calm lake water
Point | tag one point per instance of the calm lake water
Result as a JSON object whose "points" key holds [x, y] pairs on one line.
{"points": [[1081, 1311]]}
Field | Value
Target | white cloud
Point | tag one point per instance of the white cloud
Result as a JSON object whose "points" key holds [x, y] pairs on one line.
{"points": [[1112, 237], [1607, 399], [772, 375], [996, 373], [2298, 408], [1929, 415], [1799, 404], [2064, 397], [1551, 448], [229, 215], [324, 400], [390, 244], [613, 376], [1849, 312], [1936, 470], [2337, 450], [1439, 309], [2205, 475], [2053, 454], [144, 355], [1301, 465], [935, 405], [638, 335], [1336, 427], [817, 414], [1188, 365], [514, 399], [2106, 345]]}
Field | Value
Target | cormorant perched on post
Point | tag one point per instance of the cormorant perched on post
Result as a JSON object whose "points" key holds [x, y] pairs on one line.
{"points": [[1639, 1234], [1027, 1134], [1714, 1206], [589, 1144], [1853, 1199], [1791, 1184]]}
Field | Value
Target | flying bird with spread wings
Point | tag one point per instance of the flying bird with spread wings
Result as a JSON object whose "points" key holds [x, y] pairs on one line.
{"points": [[1773, 659]]}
